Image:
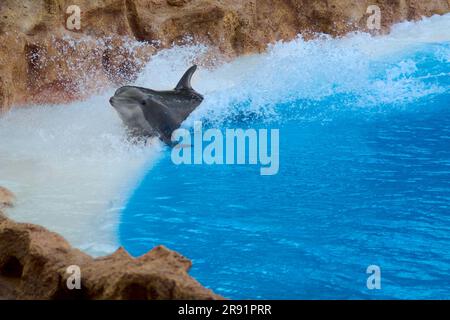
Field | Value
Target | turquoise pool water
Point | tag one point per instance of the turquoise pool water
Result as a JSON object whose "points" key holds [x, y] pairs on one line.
{"points": [[364, 178]]}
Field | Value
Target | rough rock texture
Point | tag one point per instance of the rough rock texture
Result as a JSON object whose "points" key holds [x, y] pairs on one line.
{"points": [[41, 61], [34, 262], [7, 198]]}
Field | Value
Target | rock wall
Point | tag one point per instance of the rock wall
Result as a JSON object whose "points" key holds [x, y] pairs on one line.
{"points": [[42, 61], [34, 265]]}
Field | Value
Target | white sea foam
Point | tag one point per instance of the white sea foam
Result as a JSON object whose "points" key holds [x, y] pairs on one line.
{"points": [[73, 169]]}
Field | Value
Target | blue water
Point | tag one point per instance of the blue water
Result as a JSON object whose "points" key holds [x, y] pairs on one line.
{"points": [[364, 179]]}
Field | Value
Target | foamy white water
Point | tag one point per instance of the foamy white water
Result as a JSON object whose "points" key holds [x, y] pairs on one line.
{"points": [[72, 167]]}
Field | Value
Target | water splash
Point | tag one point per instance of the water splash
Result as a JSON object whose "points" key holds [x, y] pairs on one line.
{"points": [[364, 164], [72, 167]]}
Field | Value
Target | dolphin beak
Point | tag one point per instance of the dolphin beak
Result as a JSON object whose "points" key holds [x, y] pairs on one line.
{"points": [[111, 100]]}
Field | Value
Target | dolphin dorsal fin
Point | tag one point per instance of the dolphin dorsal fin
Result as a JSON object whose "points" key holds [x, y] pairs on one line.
{"points": [[185, 81]]}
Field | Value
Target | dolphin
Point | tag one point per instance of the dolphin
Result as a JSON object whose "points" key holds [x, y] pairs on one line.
{"points": [[148, 113]]}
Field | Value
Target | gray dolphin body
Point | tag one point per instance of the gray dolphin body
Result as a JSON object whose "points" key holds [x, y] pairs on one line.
{"points": [[148, 112]]}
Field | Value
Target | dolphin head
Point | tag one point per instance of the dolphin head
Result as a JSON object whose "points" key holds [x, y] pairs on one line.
{"points": [[128, 102], [127, 98]]}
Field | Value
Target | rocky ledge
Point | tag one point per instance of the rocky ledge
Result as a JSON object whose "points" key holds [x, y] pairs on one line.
{"points": [[45, 59], [38, 264]]}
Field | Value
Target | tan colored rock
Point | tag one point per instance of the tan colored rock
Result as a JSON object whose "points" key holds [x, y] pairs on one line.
{"points": [[7, 198], [34, 262], [43, 62], [2, 216]]}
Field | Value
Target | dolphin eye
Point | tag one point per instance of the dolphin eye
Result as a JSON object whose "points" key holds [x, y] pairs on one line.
{"points": [[144, 102]]}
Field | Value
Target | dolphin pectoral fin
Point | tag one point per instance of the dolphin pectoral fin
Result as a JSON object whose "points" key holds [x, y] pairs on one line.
{"points": [[185, 81]]}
